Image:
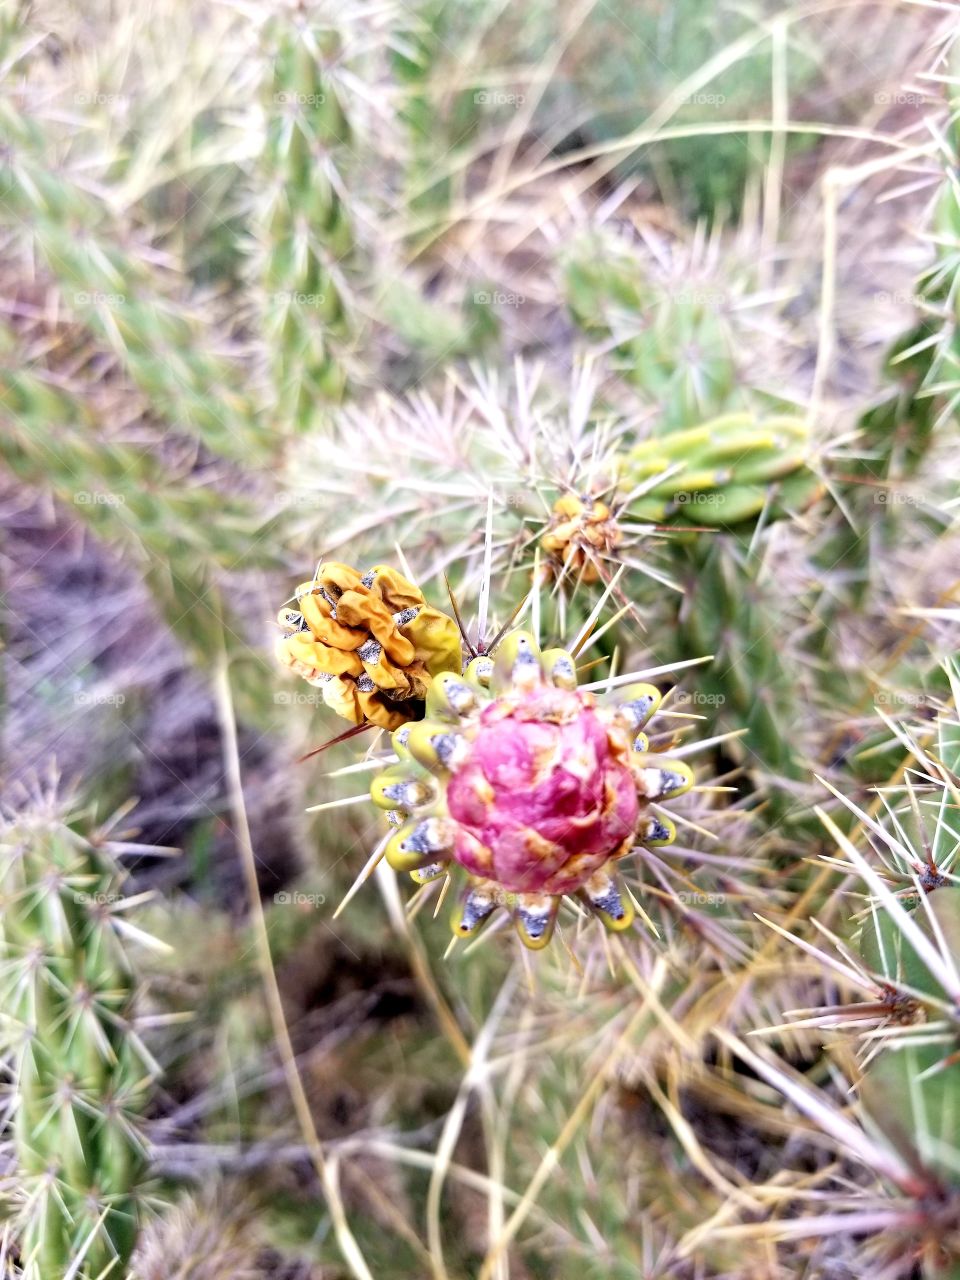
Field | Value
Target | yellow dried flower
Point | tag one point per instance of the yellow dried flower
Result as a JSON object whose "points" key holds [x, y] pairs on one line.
{"points": [[580, 530], [370, 641]]}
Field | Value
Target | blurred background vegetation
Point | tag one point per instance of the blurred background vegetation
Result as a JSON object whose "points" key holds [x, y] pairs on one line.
{"points": [[282, 282]]}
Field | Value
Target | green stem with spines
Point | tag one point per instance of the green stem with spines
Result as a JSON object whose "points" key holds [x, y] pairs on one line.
{"points": [[81, 1081], [112, 288], [305, 231]]}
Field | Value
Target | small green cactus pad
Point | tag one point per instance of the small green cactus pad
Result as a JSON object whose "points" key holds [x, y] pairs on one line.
{"points": [[531, 786], [723, 472]]}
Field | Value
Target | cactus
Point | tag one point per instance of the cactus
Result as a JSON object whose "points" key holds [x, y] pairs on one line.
{"points": [[903, 959], [80, 1072], [424, 56], [184, 535], [678, 339], [724, 472], [679, 330], [878, 485], [529, 785], [304, 228], [111, 287]]}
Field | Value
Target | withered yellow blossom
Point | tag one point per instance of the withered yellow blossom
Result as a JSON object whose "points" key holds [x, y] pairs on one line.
{"points": [[580, 530], [370, 641]]}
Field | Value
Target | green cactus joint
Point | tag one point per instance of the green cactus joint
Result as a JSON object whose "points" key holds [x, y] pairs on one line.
{"points": [[533, 787], [81, 1073], [723, 473], [305, 231]]}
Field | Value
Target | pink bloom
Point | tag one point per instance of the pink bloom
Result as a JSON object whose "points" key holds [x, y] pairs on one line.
{"points": [[545, 796]]}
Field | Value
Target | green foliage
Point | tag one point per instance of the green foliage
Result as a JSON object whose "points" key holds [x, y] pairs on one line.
{"points": [[440, 115]]}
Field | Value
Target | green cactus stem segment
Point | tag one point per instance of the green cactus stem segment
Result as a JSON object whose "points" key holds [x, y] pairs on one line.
{"points": [[80, 1072], [723, 472]]}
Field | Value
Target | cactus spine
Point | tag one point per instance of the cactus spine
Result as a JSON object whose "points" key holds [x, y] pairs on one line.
{"points": [[80, 1073]]}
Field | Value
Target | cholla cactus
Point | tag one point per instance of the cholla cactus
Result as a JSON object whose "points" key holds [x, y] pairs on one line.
{"points": [[682, 335], [681, 330], [111, 286], [879, 486], [535, 788], [305, 230], [80, 1072], [370, 641], [723, 472], [902, 973]]}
